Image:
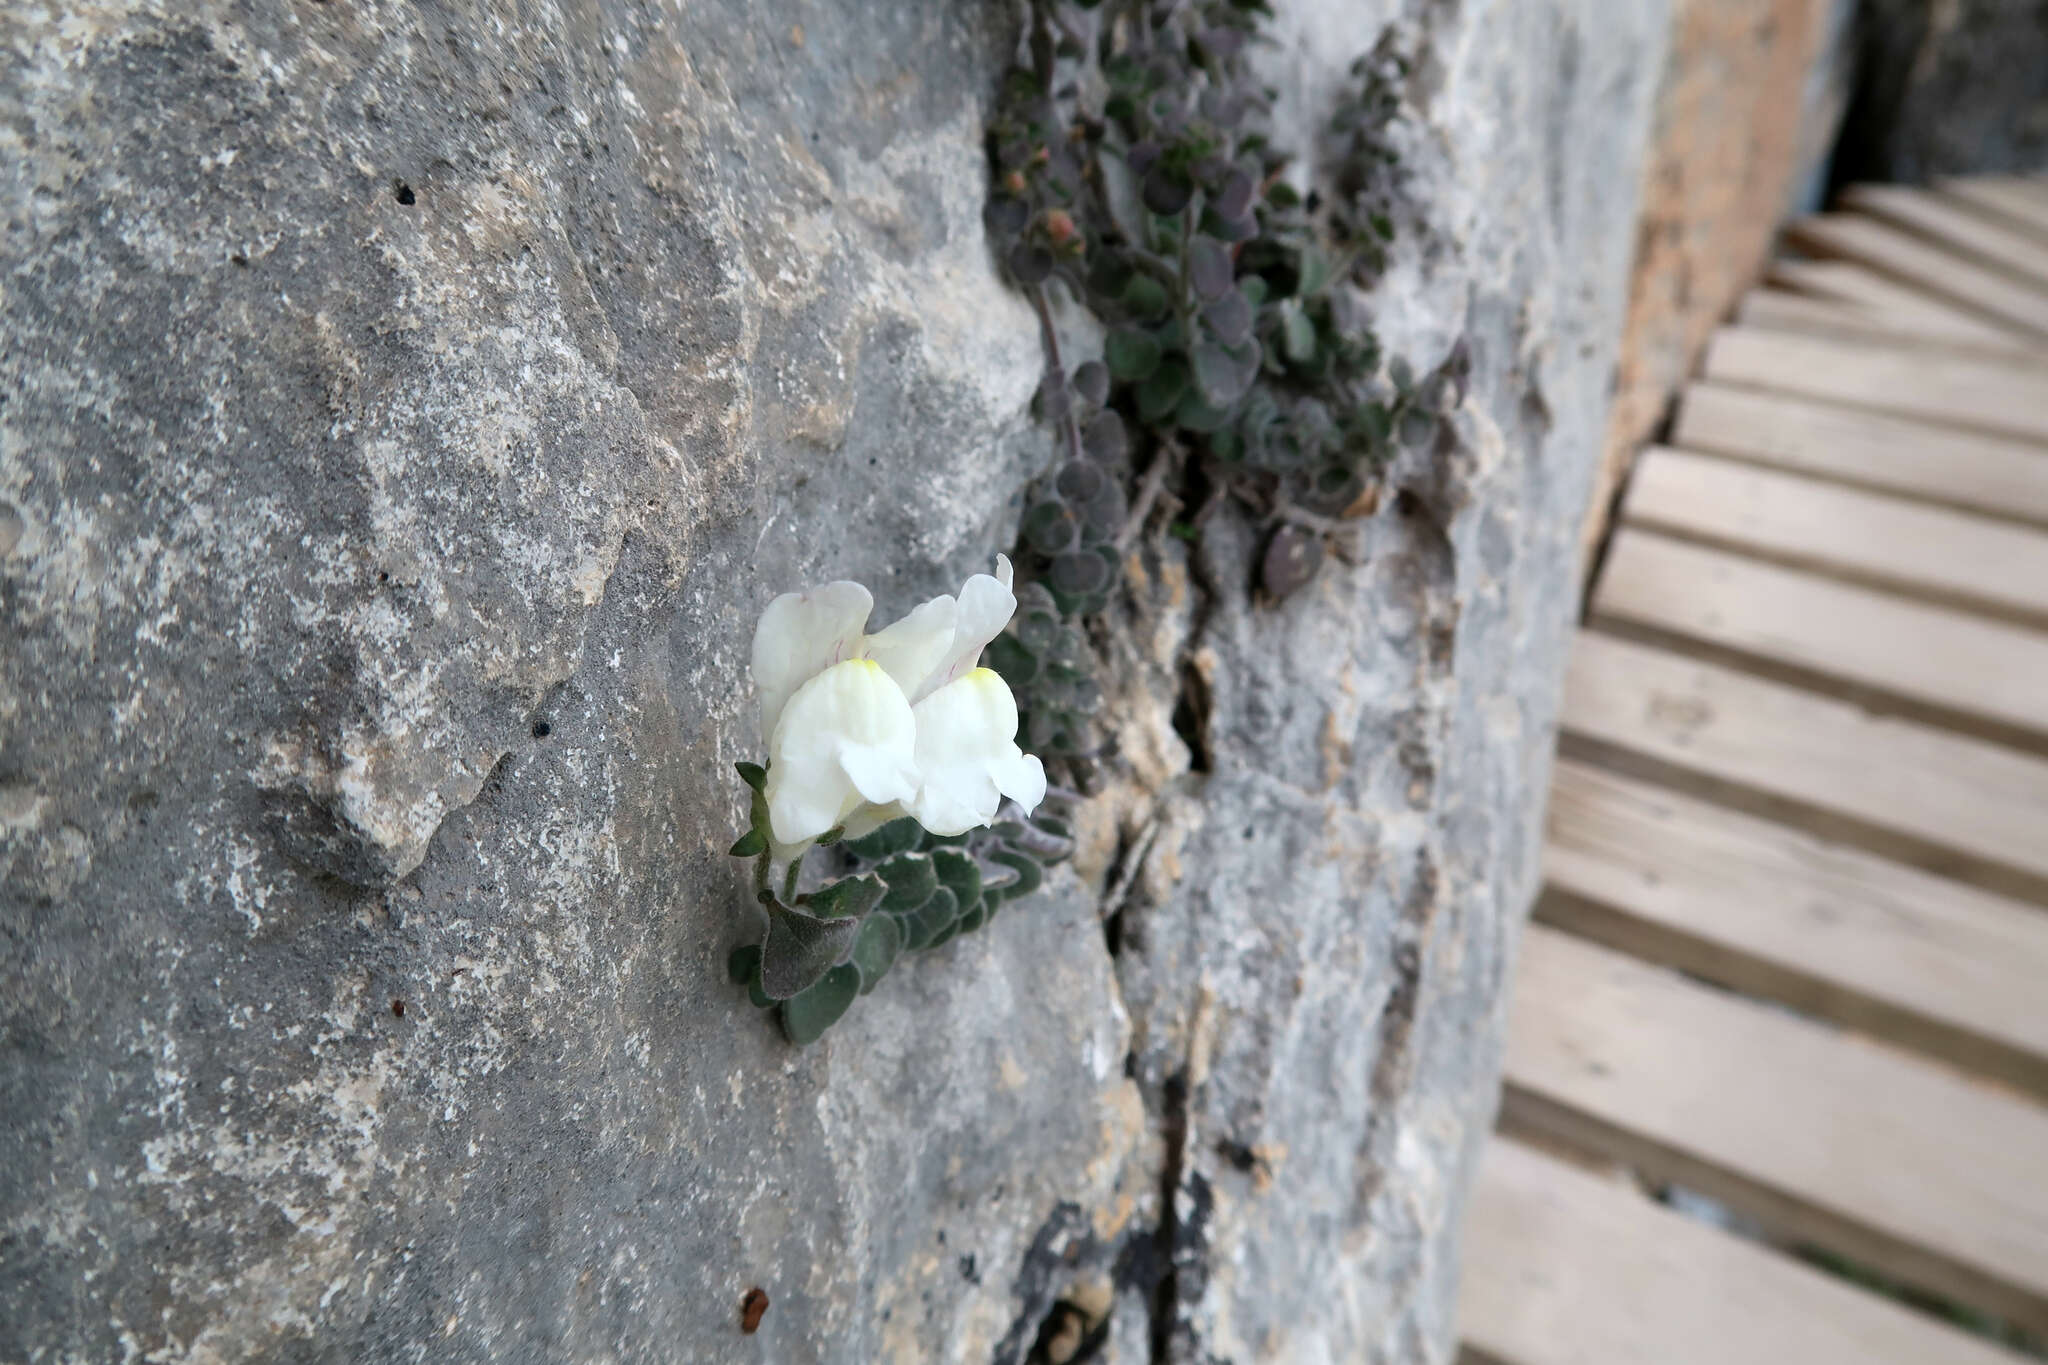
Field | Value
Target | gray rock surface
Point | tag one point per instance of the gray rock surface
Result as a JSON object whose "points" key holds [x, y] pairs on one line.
{"points": [[1946, 87], [404, 413]]}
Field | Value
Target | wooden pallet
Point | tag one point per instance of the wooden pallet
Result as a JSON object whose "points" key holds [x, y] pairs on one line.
{"points": [[1792, 949]]}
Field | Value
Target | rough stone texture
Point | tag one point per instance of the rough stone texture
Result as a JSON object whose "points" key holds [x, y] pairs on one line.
{"points": [[403, 416], [1947, 87], [1730, 149]]}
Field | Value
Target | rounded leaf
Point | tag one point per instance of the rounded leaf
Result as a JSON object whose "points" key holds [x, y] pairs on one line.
{"points": [[875, 950], [1049, 528], [1145, 297], [928, 921], [801, 948], [1209, 267], [911, 880], [1131, 355], [1104, 437], [1165, 193], [1030, 264], [1161, 391], [1080, 482], [1080, 574], [1091, 381], [886, 841], [805, 1017], [1229, 318]]}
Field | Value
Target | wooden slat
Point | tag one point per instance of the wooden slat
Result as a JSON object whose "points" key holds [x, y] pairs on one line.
{"points": [[2003, 477], [2018, 254], [1978, 392], [1564, 1268], [1948, 661], [1783, 310], [1905, 257], [1932, 964], [1892, 303], [1970, 809], [1990, 565], [2012, 201], [1894, 1162]]}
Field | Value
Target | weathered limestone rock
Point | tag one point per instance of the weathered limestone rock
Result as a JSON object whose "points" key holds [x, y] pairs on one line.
{"points": [[1948, 87], [403, 415]]}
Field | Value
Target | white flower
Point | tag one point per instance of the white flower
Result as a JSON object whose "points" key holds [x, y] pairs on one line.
{"points": [[967, 755], [862, 728]]}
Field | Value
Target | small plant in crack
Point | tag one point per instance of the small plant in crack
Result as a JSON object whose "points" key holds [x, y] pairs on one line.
{"points": [[893, 761], [1134, 170]]}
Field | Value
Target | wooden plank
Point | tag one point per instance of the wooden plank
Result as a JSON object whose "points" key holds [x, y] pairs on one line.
{"points": [[1897, 1163], [1783, 310], [2018, 254], [1973, 810], [2011, 201], [1902, 256], [1564, 1268], [1888, 301], [1929, 963], [1936, 552], [1978, 392], [1947, 661], [1986, 473]]}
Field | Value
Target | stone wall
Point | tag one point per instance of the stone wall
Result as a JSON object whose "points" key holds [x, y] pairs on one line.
{"points": [[404, 413]]}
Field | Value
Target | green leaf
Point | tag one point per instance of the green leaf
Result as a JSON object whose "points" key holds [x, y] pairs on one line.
{"points": [[751, 844], [744, 963], [1159, 394], [1221, 375], [974, 917], [886, 841], [959, 874], [1145, 297], [1209, 267], [1198, 415], [911, 879], [1130, 355], [1229, 318], [806, 1017], [1297, 334], [875, 950], [1030, 876], [753, 774], [847, 898], [800, 948], [1315, 272], [929, 920], [760, 998]]}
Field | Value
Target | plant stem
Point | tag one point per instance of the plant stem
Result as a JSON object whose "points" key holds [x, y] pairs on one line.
{"points": [[796, 866], [1056, 370]]}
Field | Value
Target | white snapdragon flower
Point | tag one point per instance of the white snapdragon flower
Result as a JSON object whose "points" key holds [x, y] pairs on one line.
{"points": [[864, 728]]}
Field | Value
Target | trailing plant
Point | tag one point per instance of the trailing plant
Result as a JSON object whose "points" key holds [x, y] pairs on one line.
{"points": [[893, 765], [1134, 170], [896, 890]]}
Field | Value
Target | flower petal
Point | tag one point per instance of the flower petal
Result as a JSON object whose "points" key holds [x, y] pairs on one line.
{"points": [[846, 738], [917, 646], [985, 607], [802, 634], [967, 755]]}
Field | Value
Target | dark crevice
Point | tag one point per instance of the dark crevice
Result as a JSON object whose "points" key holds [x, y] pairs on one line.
{"points": [[1191, 718]]}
